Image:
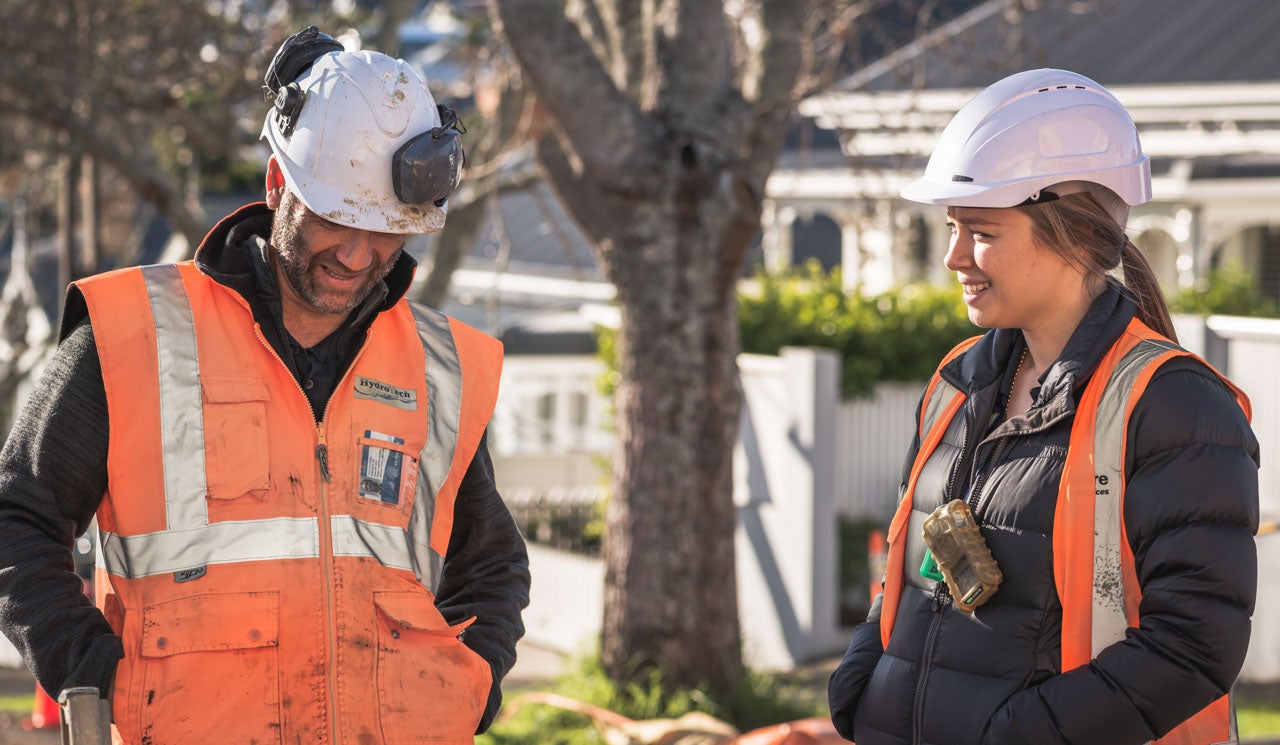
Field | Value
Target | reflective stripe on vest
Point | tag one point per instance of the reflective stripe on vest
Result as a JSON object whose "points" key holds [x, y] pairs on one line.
{"points": [[445, 407], [189, 541], [1094, 569], [940, 404]]}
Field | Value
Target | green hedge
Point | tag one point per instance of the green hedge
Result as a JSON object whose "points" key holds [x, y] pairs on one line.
{"points": [[897, 336], [1230, 290], [900, 335]]}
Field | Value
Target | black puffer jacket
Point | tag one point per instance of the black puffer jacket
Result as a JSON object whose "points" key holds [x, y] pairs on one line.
{"points": [[994, 676]]}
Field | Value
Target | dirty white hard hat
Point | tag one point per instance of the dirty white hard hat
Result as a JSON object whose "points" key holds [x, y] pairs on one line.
{"points": [[1029, 132], [336, 151]]}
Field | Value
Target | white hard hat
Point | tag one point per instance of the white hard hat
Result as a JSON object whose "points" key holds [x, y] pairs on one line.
{"points": [[337, 150], [1029, 132]]}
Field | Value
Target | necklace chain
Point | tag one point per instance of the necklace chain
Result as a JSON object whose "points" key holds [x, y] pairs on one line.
{"points": [[1013, 385]]}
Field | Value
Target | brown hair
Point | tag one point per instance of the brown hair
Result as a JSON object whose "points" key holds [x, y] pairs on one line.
{"points": [[1081, 230]]}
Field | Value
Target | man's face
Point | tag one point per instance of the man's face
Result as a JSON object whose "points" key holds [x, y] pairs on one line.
{"points": [[330, 268]]}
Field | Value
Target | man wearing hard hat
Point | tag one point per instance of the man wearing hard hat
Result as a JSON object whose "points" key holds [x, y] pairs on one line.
{"points": [[300, 535]]}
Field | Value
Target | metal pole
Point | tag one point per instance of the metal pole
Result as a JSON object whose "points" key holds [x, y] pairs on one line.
{"points": [[86, 717]]}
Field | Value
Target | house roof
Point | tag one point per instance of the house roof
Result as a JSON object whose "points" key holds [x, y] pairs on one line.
{"points": [[1116, 42]]}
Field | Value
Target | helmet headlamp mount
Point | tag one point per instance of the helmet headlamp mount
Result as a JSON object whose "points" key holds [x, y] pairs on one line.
{"points": [[288, 102], [294, 57]]}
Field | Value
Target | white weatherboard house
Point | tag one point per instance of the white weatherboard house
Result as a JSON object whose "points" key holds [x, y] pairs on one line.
{"points": [[1201, 79]]}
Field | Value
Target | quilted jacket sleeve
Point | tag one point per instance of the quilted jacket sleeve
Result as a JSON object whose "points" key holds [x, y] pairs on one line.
{"points": [[1191, 510]]}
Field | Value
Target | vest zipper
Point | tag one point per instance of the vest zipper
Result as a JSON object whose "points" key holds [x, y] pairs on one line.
{"points": [[325, 530], [947, 495], [980, 478], [941, 599], [326, 541], [326, 553], [322, 455]]}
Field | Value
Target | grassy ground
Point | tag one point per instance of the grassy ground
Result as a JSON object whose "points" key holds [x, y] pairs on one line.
{"points": [[1258, 711], [18, 704]]}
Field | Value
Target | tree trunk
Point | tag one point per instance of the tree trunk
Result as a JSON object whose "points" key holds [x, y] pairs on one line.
{"points": [[670, 582], [677, 414], [451, 245], [662, 160], [90, 256], [68, 175]]}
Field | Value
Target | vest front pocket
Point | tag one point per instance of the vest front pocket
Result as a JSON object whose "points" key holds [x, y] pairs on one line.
{"points": [[211, 670], [237, 458], [387, 472], [431, 687]]}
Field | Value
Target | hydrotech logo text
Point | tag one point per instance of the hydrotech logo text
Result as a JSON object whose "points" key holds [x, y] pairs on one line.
{"points": [[401, 398]]}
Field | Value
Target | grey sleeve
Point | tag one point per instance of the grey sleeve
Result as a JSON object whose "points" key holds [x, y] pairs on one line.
{"points": [[486, 575], [53, 473]]}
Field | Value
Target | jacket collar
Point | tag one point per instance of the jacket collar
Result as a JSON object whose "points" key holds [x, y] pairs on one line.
{"points": [[984, 370]]}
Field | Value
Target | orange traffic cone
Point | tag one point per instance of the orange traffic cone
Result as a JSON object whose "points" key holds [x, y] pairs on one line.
{"points": [[877, 560], [44, 714]]}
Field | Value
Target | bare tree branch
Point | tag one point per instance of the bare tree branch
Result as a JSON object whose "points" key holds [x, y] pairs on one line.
{"points": [[782, 61], [450, 246], [394, 14], [139, 169], [594, 19], [696, 61], [592, 208], [639, 55], [572, 84]]}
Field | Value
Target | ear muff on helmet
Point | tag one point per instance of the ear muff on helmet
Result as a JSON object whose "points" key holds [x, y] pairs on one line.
{"points": [[428, 167]]}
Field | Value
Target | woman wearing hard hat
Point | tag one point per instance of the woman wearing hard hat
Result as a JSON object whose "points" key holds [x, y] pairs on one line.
{"points": [[1072, 559]]}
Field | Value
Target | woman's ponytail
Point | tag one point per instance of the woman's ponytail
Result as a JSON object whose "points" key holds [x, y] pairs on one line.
{"points": [[1087, 233], [1142, 284]]}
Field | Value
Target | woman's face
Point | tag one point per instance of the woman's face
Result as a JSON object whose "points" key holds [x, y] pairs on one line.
{"points": [[1009, 279]]}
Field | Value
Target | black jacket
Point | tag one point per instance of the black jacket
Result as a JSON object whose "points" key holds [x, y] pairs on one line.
{"points": [[53, 475], [1190, 511]]}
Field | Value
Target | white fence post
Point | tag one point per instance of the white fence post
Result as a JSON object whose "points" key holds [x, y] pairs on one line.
{"points": [[784, 482]]}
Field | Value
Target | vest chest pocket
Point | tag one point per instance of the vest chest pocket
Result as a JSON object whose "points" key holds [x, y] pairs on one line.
{"points": [[237, 458], [211, 669], [431, 687], [388, 472]]}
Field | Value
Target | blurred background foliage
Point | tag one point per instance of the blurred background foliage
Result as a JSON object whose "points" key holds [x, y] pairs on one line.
{"points": [[896, 336]]}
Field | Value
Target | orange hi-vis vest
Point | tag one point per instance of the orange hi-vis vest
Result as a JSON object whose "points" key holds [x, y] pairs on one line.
{"points": [[273, 578], [1090, 546]]}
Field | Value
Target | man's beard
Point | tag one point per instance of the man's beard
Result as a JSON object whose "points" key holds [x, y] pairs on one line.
{"points": [[301, 267]]}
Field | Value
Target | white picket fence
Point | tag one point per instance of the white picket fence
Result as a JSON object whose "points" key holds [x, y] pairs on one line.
{"points": [[872, 436]]}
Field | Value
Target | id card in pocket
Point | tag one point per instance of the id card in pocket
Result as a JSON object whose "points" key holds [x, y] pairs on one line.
{"points": [[381, 468]]}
